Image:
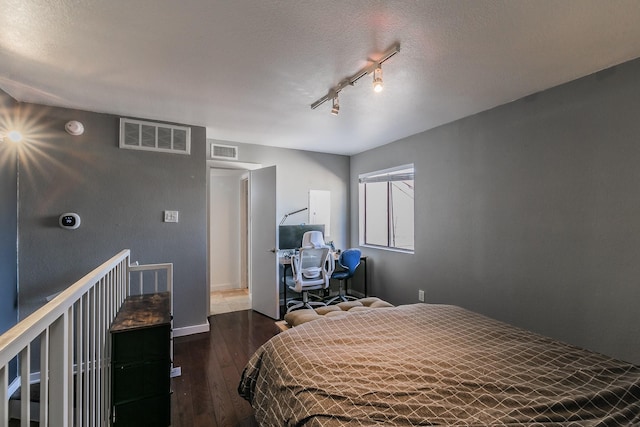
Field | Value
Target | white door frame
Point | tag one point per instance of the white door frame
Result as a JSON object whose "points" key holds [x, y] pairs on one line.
{"points": [[220, 164]]}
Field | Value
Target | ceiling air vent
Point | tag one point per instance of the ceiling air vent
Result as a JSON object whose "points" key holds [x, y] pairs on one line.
{"points": [[151, 136], [227, 152]]}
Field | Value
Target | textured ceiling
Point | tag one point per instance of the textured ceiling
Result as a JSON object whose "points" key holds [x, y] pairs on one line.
{"points": [[249, 70]]}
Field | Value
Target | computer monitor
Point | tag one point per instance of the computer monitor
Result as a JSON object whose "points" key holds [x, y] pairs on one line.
{"points": [[290, 236]]}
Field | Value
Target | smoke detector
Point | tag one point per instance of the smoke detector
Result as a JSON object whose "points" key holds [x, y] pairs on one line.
{"points": [[74, 128]]}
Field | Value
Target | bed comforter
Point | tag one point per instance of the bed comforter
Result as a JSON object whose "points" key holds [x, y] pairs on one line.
{"points": [[428, 364]]}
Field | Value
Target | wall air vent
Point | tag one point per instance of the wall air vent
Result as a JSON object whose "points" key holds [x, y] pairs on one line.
{"points": [[226, 152], [152, 136]]}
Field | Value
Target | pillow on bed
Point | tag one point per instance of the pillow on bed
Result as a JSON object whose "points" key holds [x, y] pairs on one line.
{"points": [[347, 305], [380, 304], [360, 308], [336, 314], [369, 300], [327, 308], [298, 317]]}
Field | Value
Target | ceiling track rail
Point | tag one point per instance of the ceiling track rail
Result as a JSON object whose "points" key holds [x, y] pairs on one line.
{"points": [[350, 81]]}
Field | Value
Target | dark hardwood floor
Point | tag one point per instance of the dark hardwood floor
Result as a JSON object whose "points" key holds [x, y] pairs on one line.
{"points": [[206, 395]]}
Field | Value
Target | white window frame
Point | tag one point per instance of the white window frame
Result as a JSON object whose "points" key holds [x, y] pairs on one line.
{"points": [[381, 176]]}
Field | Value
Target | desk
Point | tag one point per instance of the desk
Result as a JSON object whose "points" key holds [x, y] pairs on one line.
{"points": [[285, 264], [363, 264]]}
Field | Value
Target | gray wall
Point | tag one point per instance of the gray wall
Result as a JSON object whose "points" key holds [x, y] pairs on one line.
{"points": [[8, 221], [529, 213], [120, 196], [299, 171]]}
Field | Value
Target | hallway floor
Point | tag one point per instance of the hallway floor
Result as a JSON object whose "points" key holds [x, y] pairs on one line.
{"points": [[229, 300]]}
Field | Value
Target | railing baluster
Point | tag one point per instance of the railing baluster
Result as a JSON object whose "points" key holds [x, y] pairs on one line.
{"points": [[99, 332], [4, 398], [69, 367], [126, 277], [85, 358], [106, 350], [44, 378], [107, 302], [122, 283], [114, 293], [25, 392], [156, 281], [104, 329], [79, 360], [92, 360], [58, 365]]}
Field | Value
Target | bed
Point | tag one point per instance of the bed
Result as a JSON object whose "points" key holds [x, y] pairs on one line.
{"points": [[428, 364]]}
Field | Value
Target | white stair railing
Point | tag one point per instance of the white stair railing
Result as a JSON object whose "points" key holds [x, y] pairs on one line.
{"points": [[71, 335]]}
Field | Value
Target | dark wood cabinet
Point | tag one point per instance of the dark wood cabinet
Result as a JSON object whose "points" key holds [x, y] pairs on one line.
{"points": [[141, 362]]}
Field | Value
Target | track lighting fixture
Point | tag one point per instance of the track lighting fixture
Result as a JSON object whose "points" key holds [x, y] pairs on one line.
{"points": [[377, 79], [375, 67], [336, 106]]}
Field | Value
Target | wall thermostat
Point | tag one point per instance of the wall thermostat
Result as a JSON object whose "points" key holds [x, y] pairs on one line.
{"points": [[70, 221]]}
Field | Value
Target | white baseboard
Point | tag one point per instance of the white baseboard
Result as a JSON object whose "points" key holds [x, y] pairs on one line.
{"points": [[190, 330], [225, 287]]}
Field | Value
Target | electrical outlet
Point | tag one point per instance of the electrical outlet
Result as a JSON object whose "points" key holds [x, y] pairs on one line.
{"points": [[420, 295]]}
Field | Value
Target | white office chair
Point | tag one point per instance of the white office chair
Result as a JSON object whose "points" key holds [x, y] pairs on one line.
{"points": [[313, 239], [311, 270]]}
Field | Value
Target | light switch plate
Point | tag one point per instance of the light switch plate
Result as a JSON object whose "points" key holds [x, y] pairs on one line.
{"points": [[170, 216]]}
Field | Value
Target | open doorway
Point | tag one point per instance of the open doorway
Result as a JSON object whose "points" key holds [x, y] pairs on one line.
{"points": [[228, 240], [243, 238]]}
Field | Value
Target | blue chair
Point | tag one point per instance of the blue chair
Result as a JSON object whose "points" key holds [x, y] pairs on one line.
{"points": [[349, 260]]}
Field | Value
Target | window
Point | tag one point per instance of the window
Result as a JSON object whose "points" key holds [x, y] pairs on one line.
{"points": [[386, 208]]}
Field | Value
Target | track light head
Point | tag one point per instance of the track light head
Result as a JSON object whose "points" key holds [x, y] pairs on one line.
{"points": [[377, 79], [336, 106]]}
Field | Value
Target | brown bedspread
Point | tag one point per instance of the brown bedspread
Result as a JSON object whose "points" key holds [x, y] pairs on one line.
{"points": [[433, 365]]}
